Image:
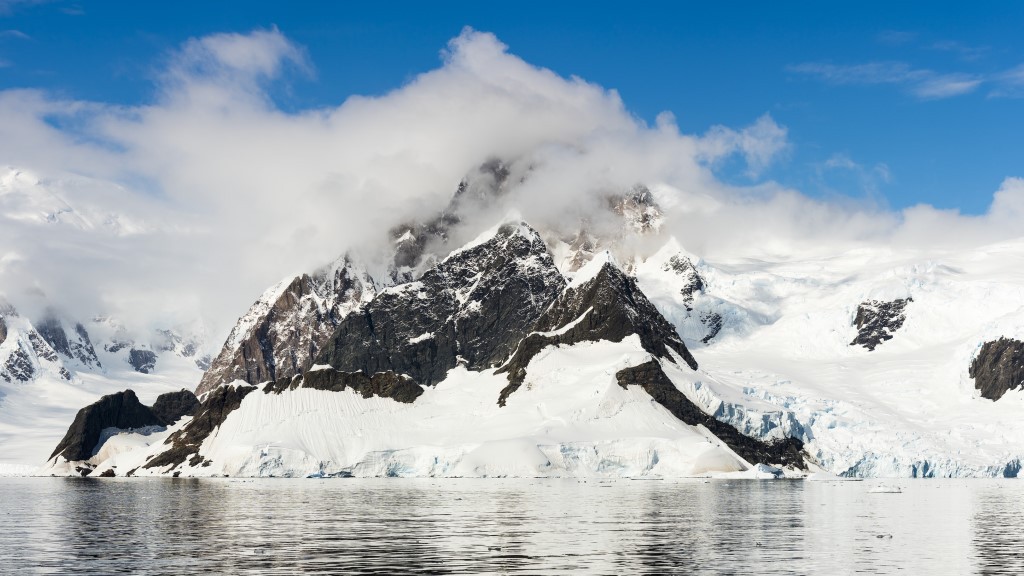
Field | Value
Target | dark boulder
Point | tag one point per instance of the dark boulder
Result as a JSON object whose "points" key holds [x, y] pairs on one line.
{"points": [[998, 367], [121, 410], [172, 406], [876, 321]]}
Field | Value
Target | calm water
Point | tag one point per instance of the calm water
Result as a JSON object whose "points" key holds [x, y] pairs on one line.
{"points": [[505, 526]]}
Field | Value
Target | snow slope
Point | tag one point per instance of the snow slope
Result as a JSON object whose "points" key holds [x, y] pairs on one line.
{"points": [[34, 416], [570, 419], [783, 362]]}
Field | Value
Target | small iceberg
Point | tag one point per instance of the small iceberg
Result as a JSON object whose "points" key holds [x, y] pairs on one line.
{"points": [[885, 489]]}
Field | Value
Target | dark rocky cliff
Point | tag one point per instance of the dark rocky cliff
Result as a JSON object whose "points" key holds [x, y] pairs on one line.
{"points": [[473, 308], [121, 410], [608, 306], [283, 331], [998, 367], [876, 321]]}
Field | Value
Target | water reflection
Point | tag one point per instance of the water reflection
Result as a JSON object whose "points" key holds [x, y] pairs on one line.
{"points": [[997, 529], [234, 526]]}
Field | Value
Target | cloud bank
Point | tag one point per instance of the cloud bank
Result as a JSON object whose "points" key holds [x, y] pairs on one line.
{"points": [[193, 203]]}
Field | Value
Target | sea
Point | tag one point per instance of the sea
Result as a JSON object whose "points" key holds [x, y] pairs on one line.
{"points": [[509, 526]]}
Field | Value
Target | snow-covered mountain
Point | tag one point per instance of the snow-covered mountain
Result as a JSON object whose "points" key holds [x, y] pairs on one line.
{"points": [[491, 363], [581, 350], [50, 366]]}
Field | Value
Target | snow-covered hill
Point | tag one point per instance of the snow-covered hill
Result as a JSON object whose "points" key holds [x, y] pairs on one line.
{"points": [[51, 366], [490, 364], [788, 356], [528, 351]]}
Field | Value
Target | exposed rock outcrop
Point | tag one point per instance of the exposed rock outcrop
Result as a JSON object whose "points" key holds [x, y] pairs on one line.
{"points": [[692, 285], [143, 361], [173, 406], [876, 321], [651, 377], [121, 410], [383, 384], [473, 308], [287, 327], [608, 306], [638, 209], [75, 346], [26, 354], [998, 367], [185, 443]]}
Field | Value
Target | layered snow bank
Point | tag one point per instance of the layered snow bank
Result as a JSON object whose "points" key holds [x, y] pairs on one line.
{"points": [[570, 418]]}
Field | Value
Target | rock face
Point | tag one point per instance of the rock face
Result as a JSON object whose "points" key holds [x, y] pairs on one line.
{"points": [[185, 346], [383, 384], [652, 379], [24, 352], [286, 328], [692, 286], [998, 367], [472, 308], [638, 208], [608, 306], [122, 410], [172, 406], [143, 361], [185, 443], [289, 326], [691, 280], [877, 320], [416, 243], [76, 346]]}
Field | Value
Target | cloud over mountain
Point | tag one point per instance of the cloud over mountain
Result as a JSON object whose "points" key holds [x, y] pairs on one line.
{"points": [[194, 202]]}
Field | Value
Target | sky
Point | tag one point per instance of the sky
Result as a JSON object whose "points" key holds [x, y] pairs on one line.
{"points": [[193, 153], [896, 103]]}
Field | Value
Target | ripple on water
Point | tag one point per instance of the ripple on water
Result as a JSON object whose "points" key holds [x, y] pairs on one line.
{"points": [[228, 526]]}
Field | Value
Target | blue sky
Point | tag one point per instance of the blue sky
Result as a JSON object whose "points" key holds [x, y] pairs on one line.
{"points": [[891, 103]]}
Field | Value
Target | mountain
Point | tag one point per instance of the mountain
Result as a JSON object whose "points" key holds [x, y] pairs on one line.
{"points": [[51, 365], [286, 327], [491, 363], [604, 346]]}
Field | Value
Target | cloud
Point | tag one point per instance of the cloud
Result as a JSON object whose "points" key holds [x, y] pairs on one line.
{"points": [[924, 84], [7, 7], [1009, 84], [16, 34], [966, 52], [195, 202], [759, 144], [223, 193]]}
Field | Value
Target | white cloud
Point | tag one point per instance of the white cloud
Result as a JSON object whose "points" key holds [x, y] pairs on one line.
{"points": [[759, 144], [200, 199], [922, 83], [231, 193]]}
